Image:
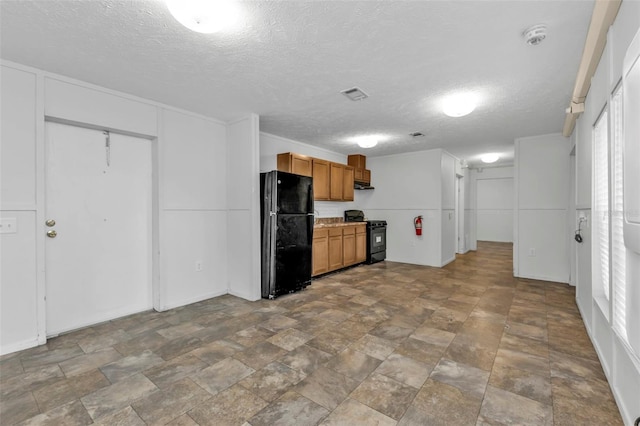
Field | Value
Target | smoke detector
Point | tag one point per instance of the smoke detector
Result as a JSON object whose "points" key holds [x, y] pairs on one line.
{"points": [[534, 35]]}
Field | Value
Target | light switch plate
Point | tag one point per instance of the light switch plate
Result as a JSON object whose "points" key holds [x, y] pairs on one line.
{"points": [[8, 225]]}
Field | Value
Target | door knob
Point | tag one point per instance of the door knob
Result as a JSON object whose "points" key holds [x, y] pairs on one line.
{"points": [[50, 222], [52, 233]]}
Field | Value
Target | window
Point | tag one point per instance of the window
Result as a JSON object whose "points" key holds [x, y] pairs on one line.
{"points": [[618, 250], [601, 207], [609, 251]]}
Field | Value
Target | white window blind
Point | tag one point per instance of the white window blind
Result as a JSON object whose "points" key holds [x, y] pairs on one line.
{"points": [[618, 250], [601, 200]]}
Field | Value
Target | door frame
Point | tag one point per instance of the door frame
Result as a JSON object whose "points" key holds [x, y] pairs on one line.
{"points": [[41, 164]]}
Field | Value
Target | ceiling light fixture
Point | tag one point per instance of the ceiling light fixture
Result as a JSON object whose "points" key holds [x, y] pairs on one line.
{"points": [[367, 141], [490, 158], [535, 34], [459, 104], [204, 16]]}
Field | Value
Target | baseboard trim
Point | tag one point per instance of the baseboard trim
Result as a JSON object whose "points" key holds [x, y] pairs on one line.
{"points": [[19, 346]]}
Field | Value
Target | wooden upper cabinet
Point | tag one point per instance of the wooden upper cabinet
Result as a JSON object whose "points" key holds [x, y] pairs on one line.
{"points": [[347, 190], [295, 163], [337, 181], [366, 177], [331, 181], [357, 161], [321, 179]]}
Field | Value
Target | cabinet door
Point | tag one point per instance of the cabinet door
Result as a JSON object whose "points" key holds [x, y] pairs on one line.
{"points": [[347, 190], [337, 181], [335, 249], [295, 163], [301, 165], [320, 250], [349, 246], [321, 187], [358, 161], [361, 244], [366, 177]]}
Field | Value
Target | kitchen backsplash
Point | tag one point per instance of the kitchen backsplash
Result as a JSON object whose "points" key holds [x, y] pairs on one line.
{"points": [[327, 220], [331, 208]]}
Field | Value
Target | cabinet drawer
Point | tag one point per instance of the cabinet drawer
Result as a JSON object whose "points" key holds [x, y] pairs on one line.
{"points": [[335, 232], [349, 230], [361, 229], [320, 233]]}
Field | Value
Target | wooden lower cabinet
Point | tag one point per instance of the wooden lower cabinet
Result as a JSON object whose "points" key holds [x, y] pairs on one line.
{"points": [[335, 248], [320, 252], [348, 245], [361, 243], [339, 247]]}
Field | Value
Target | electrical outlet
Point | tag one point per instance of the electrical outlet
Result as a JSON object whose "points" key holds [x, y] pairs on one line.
{"points": [[198, 266], [532, 252]]}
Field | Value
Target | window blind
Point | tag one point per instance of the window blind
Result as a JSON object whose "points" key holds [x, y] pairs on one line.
{"points": [[601, 199], [618, 250]]}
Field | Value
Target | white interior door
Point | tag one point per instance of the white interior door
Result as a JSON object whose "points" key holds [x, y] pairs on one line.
{"points": [[98, 266]]}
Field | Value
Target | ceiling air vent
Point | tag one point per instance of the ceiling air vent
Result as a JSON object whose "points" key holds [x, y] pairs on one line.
{"points": [[416, 134], [355, 94]]}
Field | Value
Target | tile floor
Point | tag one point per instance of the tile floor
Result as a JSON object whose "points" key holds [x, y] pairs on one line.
{"points": [[384, 344]]}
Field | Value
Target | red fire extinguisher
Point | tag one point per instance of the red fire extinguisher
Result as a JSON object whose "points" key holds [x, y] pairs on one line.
{"points": [[417, 223]]}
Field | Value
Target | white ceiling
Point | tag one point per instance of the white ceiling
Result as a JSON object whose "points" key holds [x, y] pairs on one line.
{"points": [[289, 60]]}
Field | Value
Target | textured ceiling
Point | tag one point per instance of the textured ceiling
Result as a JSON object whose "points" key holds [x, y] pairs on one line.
{"points": [[289, 60]]}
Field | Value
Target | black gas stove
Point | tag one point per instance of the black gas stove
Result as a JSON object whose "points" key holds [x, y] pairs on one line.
{"points": [[376, 235]]}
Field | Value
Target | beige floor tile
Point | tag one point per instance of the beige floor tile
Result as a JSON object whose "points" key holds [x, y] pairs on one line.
{"points": [[222, 375], [352, 412], [232, 406], [509, 408], [355, 344], [290, 409], [385, 395]]}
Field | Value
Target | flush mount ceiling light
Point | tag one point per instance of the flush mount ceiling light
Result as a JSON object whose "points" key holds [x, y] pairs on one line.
{"points": [[367, 141], [204, 16], [459, 104], [490, 158], [535, 34]]}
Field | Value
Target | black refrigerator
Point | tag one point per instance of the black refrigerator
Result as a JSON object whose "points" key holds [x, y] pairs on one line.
{"points": [[286, 218]]}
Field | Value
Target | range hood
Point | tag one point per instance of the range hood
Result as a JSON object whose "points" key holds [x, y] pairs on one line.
{"points": [[361, 186]]}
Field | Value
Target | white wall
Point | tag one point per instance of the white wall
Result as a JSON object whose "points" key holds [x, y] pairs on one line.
{"points": [[542, 194], [193, 191], [243, 222], [409, 185], [495, 209], [621, 367], [195, 202], [448, 195], [19, 292], [493, 212]]}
